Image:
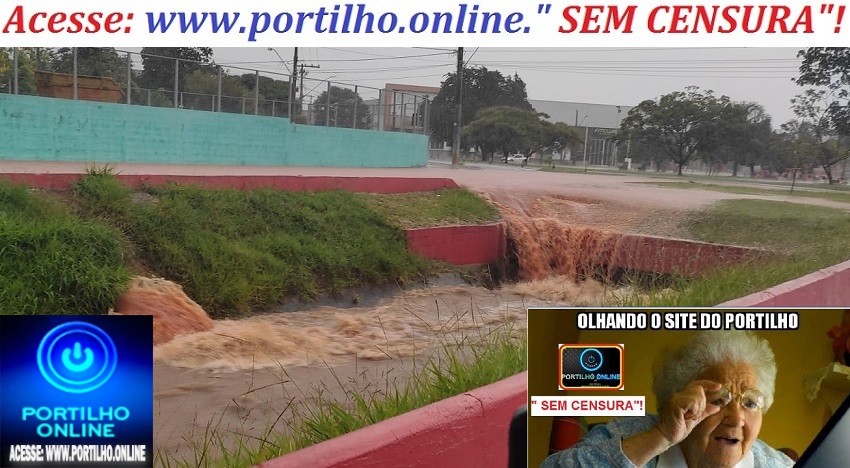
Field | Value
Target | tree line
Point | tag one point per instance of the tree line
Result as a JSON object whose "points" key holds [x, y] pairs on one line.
{"points": [[679, 127]]}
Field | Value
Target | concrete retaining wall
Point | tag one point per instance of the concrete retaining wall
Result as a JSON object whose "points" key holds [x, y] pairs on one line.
{"points": [[459, 245], [678, 256], [47, 129], [462, 431]]}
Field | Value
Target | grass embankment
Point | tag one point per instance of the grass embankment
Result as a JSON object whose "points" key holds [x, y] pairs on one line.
{"points": [[53, 262], [440, 208], [839, 194], [236, 250], [232, 251], [807, 237]]}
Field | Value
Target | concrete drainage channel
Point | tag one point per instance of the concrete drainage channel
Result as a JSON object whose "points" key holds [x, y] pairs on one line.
{"points": [[471, 429]]}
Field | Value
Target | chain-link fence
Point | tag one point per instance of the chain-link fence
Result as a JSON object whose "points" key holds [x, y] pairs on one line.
{"points": [[201, 86]]}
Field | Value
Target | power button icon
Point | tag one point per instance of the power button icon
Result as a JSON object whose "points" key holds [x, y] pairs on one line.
{"points": [[77, 357]]}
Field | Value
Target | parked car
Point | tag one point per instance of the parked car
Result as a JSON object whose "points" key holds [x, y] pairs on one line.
{"points": [[518, 157]]}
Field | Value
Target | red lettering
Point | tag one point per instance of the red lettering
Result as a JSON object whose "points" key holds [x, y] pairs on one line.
{"points": [[778, 15], [55, 22], [34, 19], [617, 21], [652, 14], [594, 15], [590, 18], [59, 22], [680, 16], [17, 18], [111, 24], [76, 22], [730, 19], [572, 23]]}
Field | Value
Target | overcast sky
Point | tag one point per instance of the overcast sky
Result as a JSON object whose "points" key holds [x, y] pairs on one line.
{"points": [[621, 76]]}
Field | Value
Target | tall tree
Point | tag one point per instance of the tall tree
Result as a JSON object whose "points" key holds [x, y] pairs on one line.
{"points": [[829, 67], [510, 129], [341, 111], [680, 124], [482, 88], [742, 135], [27, 65], [92, 61], [829, 145], [158, 65]]}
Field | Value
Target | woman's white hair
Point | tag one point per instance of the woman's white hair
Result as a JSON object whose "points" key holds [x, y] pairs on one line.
{"points": [[683, 365]]}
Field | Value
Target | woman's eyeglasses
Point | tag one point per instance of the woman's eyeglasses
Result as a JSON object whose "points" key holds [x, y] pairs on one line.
{"points": [[750, 400]]}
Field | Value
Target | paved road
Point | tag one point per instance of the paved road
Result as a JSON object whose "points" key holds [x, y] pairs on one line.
{"points": [[626, 202]]}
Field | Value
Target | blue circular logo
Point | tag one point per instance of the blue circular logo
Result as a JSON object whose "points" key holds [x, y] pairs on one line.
{"points": [[77, 357], [590, 359]]}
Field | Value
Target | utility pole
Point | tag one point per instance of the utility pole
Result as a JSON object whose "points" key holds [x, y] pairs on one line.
{"points": [[459, 104], [303, 72], [293, 82]]}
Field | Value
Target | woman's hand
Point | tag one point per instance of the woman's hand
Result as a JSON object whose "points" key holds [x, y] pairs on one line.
{"points": [[685, 409]]}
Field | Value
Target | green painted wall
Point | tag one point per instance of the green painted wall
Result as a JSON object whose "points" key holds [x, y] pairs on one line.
{"points": [[48, 129]]}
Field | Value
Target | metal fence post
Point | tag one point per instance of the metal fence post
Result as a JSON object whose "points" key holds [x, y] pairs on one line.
{"points": [[256, 92], [272, 107], [426, 123], [381, 116], [15, 70], [328, 107], [354, 116], [74, 53], [129, 77], [395, 111], [176, 79], [415, 115], [290, 96], [218, 92]]}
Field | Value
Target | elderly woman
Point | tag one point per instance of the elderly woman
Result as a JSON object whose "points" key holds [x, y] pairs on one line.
{"points": [[712, 392]]}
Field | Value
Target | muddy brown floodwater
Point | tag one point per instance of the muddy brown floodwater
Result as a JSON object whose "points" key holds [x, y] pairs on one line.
{"points": [[235, 380]]}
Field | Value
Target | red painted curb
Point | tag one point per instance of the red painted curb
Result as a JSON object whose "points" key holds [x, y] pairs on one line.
{"points": [[247, 182], [459, 245], [829, 287], [679, 256], [461, 431]]}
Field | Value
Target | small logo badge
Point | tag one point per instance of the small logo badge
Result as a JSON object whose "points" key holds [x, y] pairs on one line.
{"points": [[77, 357], [590, 367]]}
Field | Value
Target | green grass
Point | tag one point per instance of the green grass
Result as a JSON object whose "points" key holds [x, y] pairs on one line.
{"points": [[438, 208], [52, 262], [808, 238], [834, 194], [233, 251], [452, 372]]}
